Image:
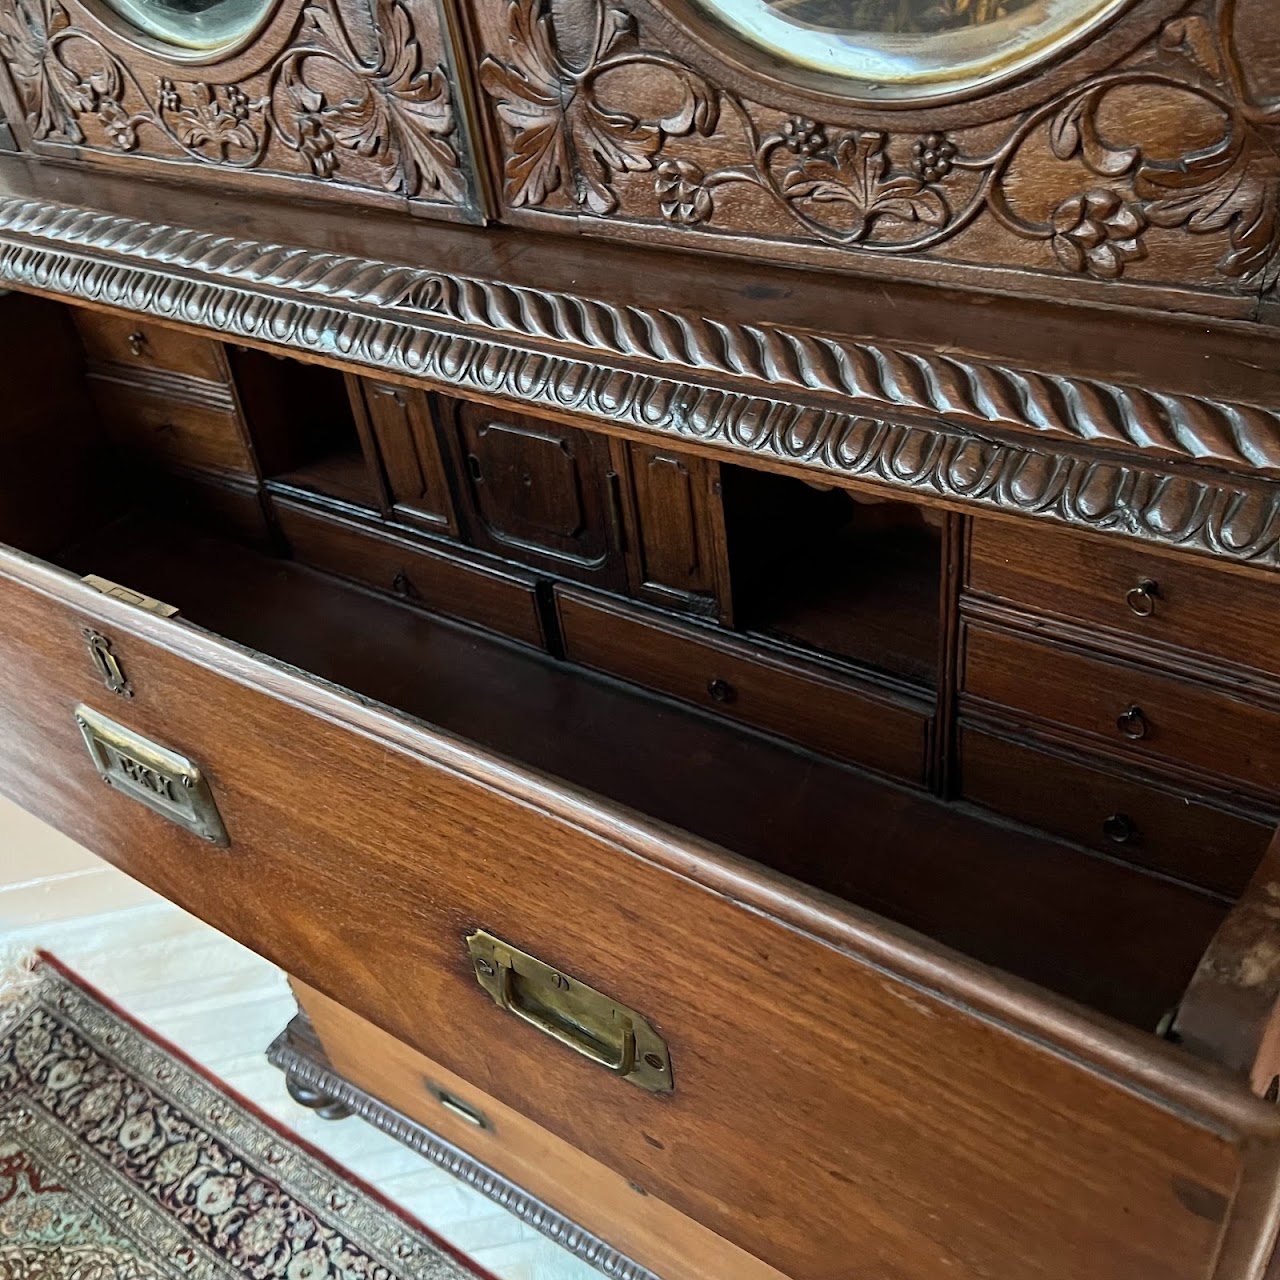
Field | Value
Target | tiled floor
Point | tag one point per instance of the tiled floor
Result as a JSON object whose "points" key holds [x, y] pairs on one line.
{"points": [[222, 1005]]}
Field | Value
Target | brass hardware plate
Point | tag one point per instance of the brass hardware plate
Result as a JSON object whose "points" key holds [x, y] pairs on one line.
{"points": [[113, 589], [579, 1017], [153, 775]]}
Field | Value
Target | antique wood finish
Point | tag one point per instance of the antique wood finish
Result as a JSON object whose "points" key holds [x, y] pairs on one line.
{"points": [[1131, 710], [183, 423], [36, 340], [663, 346], [887, 732], [490, 595], [792, 549], [675, 535], [399, 428], [1229, 1014], [537, 491], [1139, 1161], [589, 1193], [353, 100], [646, 120], [126, 342], [1095, 802], [1148, 599]]}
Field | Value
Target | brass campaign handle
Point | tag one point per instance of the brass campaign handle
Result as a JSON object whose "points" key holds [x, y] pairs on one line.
{"points": [[573, 1014], [618, 1056]]}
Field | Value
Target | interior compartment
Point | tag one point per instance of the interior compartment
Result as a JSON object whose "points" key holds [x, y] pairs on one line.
{"points": [[1116, 938], [304, 429], [854, 577]]}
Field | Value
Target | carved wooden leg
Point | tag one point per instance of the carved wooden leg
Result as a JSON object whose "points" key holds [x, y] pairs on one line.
{"points": [[300, 1055]]}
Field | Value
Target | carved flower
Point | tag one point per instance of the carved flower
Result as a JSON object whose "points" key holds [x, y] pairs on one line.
{"points": [[167, 97], [316, 143], [1097, 232], [860, 177], [219, 121], [932, 157], [682, 193], [803, 136], [118, 123]]}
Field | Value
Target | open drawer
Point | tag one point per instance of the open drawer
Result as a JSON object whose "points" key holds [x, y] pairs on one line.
{"points": [[849, 1028]]}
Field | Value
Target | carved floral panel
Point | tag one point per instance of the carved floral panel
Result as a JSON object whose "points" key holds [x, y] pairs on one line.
{"points": [[356, 100], [1164, 167]]}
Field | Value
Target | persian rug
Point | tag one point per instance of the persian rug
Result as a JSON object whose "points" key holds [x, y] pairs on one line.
{"points": [[122, 1160]]}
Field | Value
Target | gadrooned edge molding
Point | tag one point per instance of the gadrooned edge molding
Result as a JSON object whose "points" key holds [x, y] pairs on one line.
{"points": [[404, 321], [292, 1058], [873, 378]]}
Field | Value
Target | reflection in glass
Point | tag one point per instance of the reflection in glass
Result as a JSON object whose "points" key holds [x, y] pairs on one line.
{"points": [[911, 48], [194, 24]]}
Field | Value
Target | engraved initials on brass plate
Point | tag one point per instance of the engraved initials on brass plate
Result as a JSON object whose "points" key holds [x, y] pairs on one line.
{"points": [[153, 775]]}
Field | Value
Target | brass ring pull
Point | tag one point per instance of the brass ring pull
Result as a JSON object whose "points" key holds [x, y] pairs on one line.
{"points": [[1132, 723], [1142, 598], [1120, 828]]}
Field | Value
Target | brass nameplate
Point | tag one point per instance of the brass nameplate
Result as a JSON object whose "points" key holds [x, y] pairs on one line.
{"points": [[152, 775], [579, 1017]]}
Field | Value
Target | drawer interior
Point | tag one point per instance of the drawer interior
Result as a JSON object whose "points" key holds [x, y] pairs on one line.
{"points": [[869, 610]]}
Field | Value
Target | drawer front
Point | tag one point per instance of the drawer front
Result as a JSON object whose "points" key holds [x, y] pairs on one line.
{"points": [[620, 1212], [126, 341], [1141, 713], [791, 700], [821, 1059], [1104, 810], [1121, 586], [498, 600], [171, 430]]}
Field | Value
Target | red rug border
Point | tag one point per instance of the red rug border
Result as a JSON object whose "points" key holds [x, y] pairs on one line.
{"points": [[276, 1126]]}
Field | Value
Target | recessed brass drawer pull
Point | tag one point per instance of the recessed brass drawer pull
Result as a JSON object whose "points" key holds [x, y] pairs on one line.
{"points": [[463, 1110], [579, 1017], [153, 775]]}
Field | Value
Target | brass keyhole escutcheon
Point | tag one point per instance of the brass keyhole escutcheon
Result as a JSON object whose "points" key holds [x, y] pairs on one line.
{"points": [[107, 664]]}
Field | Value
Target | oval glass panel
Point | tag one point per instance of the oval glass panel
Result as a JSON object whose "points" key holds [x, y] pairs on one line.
{"points": [[904, 49], [195, 24]]}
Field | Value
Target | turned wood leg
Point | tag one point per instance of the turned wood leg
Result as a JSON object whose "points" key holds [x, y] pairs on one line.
{"points": [[306, 1095]]}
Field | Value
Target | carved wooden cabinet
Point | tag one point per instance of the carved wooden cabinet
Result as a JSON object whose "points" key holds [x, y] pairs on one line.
{"points": [[702, 576]]}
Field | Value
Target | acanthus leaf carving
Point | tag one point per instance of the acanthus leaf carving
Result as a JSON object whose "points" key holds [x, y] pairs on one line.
{"points": [[879, 192], [562, 130], [393, 112]]}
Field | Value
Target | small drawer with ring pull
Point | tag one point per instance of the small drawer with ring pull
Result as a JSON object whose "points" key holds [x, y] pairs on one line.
{"points": [[1125, 707], [1127, 589]]}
